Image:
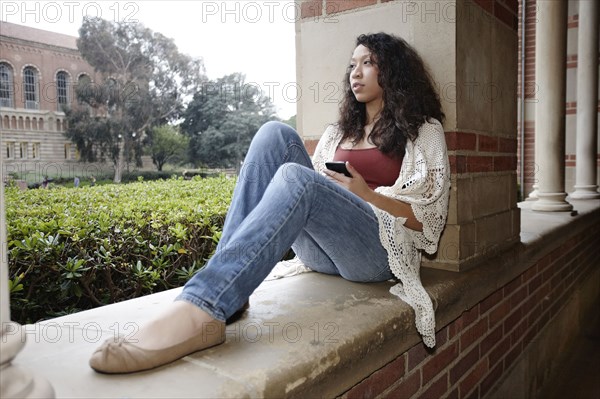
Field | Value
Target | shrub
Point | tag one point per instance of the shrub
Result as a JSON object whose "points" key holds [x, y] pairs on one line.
{"points": [[75, 249]]}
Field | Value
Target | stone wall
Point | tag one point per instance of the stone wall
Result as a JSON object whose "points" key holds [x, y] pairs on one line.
{"points": [[476, 351]]}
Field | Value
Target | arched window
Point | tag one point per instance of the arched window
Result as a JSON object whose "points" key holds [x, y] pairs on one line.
{"points": [[6, 85], [62, 89], [31, 88]]}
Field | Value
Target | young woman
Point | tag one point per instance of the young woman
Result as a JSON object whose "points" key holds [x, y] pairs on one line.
{"points": [[369, 227]]}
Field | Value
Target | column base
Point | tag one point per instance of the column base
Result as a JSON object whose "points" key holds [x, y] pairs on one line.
{"points": [[19, 383], [552, 202], [16, 382], [533, 196], [585, 192]]}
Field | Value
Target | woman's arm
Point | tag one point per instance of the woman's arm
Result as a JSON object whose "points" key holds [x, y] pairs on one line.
{"points": [[358, 186]]}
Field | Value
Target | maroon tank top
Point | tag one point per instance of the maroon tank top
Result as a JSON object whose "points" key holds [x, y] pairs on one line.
{"points": [[374, 166]]}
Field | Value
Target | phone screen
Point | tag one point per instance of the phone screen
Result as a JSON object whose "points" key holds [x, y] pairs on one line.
{"points": [[338, 166]]}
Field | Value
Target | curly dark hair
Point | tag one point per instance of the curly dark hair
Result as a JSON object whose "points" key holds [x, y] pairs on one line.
{"points": [[409, 96]]}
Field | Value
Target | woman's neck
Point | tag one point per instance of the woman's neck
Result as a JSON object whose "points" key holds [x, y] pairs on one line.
{"points": [[373, 109]]}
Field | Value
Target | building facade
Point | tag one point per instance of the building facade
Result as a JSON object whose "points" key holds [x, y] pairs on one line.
{"points": [[39, 73]]}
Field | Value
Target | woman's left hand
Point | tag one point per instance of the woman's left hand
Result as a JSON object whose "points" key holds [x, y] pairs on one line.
{"points": [[355, 184]]}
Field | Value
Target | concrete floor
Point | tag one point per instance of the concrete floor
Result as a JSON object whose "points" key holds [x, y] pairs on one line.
{"points": [[580, 378]]}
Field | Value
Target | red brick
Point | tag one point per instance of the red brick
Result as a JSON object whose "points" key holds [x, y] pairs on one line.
{"points": [[512, 286], [461, 141], [487, 5], [380, 380], [506, 16], [499, 351], [491, 301], [504, 163], [487, 143], [473, 334], [512, 355], [466, 319], [463, 365], [453, 394], [478, 163], [512, 5], [490, 340], [497, 314], [543, 262], [441, 337], [416, 355], [437, 389], [529, 274], [491, 379], [458, 164], [518, 297], [407, 387], [311, 8], [518, 333], [335, 6], [507, 145], [439, 361], [473, 379], [534, 284], [513, 319]]}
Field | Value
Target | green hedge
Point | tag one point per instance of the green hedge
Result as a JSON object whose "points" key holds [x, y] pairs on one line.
{"points": [[75, 249]]}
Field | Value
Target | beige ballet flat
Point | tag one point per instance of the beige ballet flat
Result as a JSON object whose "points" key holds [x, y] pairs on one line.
{"points": [[122, 356]]}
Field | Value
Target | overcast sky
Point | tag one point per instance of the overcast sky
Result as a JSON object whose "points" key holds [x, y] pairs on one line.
{"points": [[252, 37]]}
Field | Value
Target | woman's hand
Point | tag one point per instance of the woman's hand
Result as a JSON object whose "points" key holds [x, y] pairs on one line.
{"points": [[358, 186], [355, 184]]}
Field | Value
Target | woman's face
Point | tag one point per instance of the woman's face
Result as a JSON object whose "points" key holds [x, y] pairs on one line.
{"points": [[363, 76]]}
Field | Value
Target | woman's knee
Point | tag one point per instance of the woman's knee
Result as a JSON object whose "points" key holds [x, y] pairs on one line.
{"points": [[291, 173], [274, 129]]}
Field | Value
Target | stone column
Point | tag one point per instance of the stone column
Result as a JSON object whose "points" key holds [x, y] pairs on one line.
{"points": [[587, 99], [550, 72], [15, 382]]}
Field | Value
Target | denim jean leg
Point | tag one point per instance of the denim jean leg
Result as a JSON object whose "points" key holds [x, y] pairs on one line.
{"points": [[298, 198], [345, 242], [274, 144]]}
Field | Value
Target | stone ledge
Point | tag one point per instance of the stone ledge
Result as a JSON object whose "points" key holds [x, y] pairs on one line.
{"points": [[302, 336]]}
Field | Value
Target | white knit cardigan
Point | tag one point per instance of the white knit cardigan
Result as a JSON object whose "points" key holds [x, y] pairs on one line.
{"points": [[424, 183]]}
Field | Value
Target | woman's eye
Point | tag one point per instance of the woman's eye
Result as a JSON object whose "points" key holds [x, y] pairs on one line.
{"points": [[351, 66], [368, 62]]}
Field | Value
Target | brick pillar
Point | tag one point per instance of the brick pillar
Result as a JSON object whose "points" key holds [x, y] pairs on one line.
{"points": [[470, 48], [483, 216]]}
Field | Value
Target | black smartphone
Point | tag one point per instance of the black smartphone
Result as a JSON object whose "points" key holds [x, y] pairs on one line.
{"points": [[338, 166]]}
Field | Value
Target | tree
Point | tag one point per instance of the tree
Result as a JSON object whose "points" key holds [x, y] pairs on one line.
{"points": [[167, 145], [144, 83], [291, 121], [222, 119]]}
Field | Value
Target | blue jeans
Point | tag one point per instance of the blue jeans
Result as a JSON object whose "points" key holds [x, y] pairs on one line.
{"points": [[281, 202]]}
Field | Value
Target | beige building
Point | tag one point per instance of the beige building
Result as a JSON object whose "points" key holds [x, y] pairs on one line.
{"points": [[39, 72]]}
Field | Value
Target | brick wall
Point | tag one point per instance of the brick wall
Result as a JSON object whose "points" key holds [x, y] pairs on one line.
{"points": [[474, 351]]}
